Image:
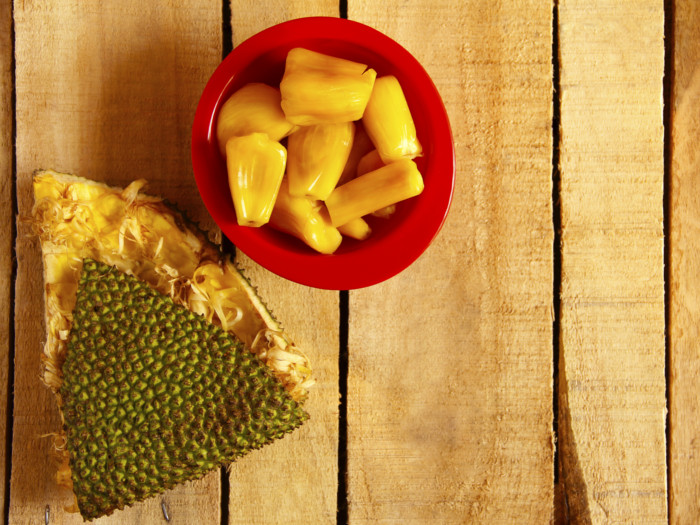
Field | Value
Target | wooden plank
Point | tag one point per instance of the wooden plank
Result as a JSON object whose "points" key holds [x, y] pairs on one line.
{"points": [[684, 314], [105, 90], [295, 480], [450, 363], [7, 227], [611, 370]]}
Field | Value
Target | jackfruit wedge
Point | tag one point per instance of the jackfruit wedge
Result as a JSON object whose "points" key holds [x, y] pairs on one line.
{"points": [[141, 236]]}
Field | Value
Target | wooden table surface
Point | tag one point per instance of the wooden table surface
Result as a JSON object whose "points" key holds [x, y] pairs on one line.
{"points": [[539, 363]]}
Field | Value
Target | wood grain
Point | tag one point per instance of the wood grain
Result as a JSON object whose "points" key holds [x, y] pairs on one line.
{"points": [[611, 370], [6, 227], [105, 90], [450, 362], [684, 246], [246, 19], [294, 481]]}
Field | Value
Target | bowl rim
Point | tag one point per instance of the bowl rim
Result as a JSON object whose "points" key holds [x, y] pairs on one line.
{"points": [[339, 271]]}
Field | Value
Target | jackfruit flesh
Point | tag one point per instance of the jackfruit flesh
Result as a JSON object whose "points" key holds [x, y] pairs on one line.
{"points": [[255, 166], [361, 145], [254, 108], [154, 395], [306, 219], [356, 228], [321, 89], [389, 122], [373, 191], [317, 155], [369, 162]]}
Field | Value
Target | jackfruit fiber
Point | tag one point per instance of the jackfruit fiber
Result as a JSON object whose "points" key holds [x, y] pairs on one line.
{"points": [[154, 395]]}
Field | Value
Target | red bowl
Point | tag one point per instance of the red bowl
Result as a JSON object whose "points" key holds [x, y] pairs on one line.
{"points": [[396, 242]]}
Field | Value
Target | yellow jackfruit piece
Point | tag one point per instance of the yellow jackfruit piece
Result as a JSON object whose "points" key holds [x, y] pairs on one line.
{"points": [[361, 145], [255, 165], [305, 219], [372, 191], [254, 108], [370, 162], [318, 88], [317, 155], [389, 122], [356, 228]]}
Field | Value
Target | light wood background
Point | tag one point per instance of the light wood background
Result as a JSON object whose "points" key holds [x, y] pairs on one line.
{"points": [[539, 363]]}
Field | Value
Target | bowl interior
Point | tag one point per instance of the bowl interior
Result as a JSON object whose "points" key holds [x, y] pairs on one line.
{"points": [[395, 242]]}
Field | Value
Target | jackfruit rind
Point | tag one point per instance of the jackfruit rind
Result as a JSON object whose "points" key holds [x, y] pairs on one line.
{"points": [[155, 395]]}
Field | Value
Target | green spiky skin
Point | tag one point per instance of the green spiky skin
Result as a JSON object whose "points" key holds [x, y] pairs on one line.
{"points": [[154, 395]]}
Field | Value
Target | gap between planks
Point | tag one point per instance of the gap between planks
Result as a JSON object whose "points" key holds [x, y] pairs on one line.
{"points": [[668, 101], [343, 318], [343, 366], [10, 358], [227, 246], [556, 249]]}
